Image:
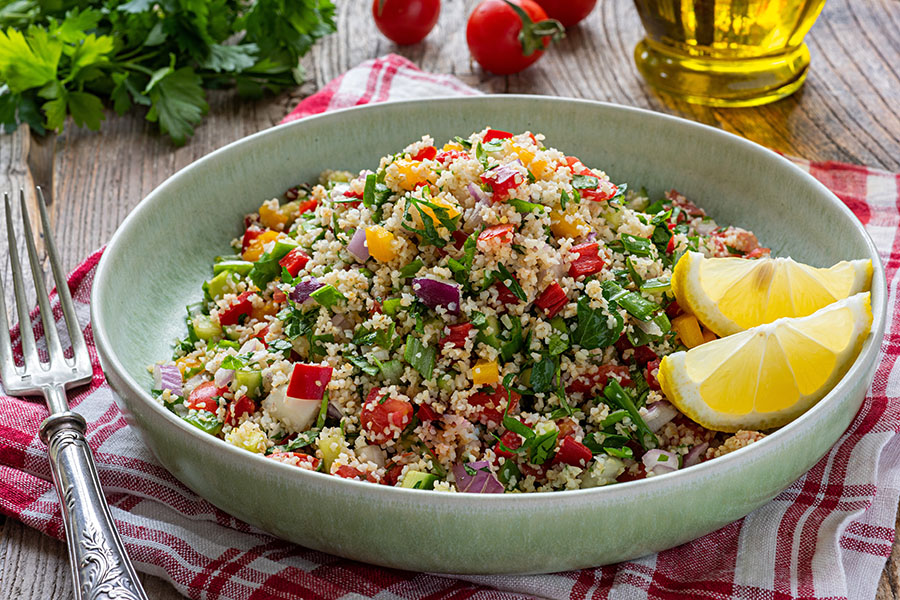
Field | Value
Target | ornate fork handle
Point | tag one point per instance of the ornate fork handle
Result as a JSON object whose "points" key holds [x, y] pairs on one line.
{"points": [[100, 566]]}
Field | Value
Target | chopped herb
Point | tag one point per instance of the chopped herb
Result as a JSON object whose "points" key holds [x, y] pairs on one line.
{"points": [[419, 356], [734, 250], [525, 207], [327, 296], [585, 182], [657, 284], [301, 441], [531, 177], [509, 281], [463, 142], [635, 304], [323, 410], [616, 395], [593, 329], [541, 447], [411, 269], [282, 347], [563, 199], [369, 191], [429, 232], [632, 271], [478, 319], [362, 364], [509, 473], [543, 374], [232, 362], [391, 306], [638, 246], [623, 452]]}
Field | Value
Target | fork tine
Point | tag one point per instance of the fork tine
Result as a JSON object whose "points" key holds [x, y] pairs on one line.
{"points": [[26, 335], [51, 336], [7, 364]]}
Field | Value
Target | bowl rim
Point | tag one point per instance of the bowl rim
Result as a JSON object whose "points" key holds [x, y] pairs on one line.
{"points": [[867, 355]]}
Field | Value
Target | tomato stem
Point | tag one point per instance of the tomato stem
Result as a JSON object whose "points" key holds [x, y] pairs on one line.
{"points": [[532, 35]]}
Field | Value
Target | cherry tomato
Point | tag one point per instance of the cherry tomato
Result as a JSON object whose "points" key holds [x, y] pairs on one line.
{"points": [[384, 420], [493, 35], [595, 382], [568, 12], [203, 397], [406, 21], [493, 405]]}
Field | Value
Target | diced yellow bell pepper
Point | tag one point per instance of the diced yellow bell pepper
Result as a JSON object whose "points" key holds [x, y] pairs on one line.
{"points": [[688, 329], [539, 168], [271, 217], [379, 240], [708, 335], [452, 211], [565, 224], [255, 249], [413, 173], [485, 373], [185, 363], [451, 146], [525, 155]]}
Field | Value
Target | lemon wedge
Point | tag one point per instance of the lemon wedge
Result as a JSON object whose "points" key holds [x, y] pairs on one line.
{"points": [[733, 294], [768, 375]]}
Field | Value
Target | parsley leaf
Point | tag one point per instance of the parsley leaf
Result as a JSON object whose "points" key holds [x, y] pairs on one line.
{"points": [[593, 329]]}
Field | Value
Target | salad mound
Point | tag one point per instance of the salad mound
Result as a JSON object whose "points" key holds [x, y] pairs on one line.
{"points": [[485, 316]]}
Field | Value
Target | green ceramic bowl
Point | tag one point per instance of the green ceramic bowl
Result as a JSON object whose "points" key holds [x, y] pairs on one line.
{"points": [[158, 258]]}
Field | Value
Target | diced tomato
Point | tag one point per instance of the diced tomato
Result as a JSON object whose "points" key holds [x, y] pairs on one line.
{"points": [[644, 355], [348, 472], [595, 194], [447, 156], [278, 296], [595, 382], [261, 336], [588, 261], [572, 452], [511, 440], [534, 139], [496, 134], [670, 247], [377, 309], [426, 413], [237, 409], [392, 476], [203, 397], [497, 234], [307, 205], [651, 373], [353, 194], [539, 472], [501, 180], [294, 261], [249, 235], [310, 462], [673, 309], [308, 382], [493, 405], [459, 238], [457, 336], [384, 420], [571, 161], [426, 153], [552, 300], [241, 307], [504, 294], [640, 473]]}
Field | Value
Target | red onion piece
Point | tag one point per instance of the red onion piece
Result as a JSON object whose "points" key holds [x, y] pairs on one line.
{"points": [[658, 414], [482, 482], [358, 247], [660, 461], [167, 377], [224, 377], [437, 293], [478, 194], [695, 455], [302, 290], [341, 321], [334, 411]]}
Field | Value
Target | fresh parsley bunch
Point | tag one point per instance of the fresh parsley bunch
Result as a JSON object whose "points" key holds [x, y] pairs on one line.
{"points": [[69, 57]]}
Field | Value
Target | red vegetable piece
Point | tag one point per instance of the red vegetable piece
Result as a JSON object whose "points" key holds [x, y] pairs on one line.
{"points": [[644, 355], [673, 309], [237, 409], [457, 336], [307, 206], [552, 300], [448, 156], [651, 373], [588, 261], [598, 195], [493, 405], [261, 336], [595, 382], [641, 473], [249, 235], [572, 452], [426, 153], [426, 413], [308, 382], [294, 261], [459, 238], [203, 397], [501, 180], [242, 306], [670, 247], [504, 294], [497, 234], [348, 472], [392, 476], [496, 134], [511, 440], [384, 420]]}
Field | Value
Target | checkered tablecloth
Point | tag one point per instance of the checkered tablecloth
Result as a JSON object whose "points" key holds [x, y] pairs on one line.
{"points": [[827, 536]]}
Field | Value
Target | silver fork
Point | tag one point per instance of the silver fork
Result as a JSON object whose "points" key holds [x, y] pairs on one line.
{"points": [[100, 566]]}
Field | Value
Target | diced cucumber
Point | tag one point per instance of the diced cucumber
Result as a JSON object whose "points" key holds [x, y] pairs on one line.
{"points": [[418, 480], [227, 344], [204, 421], [391, 370], [391, 306], [490, 333], [331, 443], [232, 333], [241, 267], [205, 328], [215, 287], [282, 247], [251, 378]]}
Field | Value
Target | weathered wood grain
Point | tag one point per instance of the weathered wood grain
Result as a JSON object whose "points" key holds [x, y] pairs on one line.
{"points": [[847, 111]]}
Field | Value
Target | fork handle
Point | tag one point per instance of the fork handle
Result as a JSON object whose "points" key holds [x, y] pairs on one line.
{"points": [[100, 566]]}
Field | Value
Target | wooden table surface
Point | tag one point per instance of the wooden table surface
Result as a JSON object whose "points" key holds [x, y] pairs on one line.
{"points": [[848, 110]]}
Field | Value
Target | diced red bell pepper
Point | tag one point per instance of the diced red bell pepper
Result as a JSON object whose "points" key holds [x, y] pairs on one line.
{"points": [[504, 294], [644, 355], [426, 153], [242, 306], [426, 413], [353, 194], [261, 336], [493, 405], [447, 156], [511, 440], [307, 205], [588, 261], [392, 476], [552, 300], [651, 373], [572, 452], [249, 235], [308, 382], [595, 382], [496, 134], [670, 247], [278, 296], [595, 194], [497, 234], [203, 397], [294, 261], [348, 472], [237, 409], [458, 335], [534, 139], [384, 420], [501, 181], [571, 161], [459, 238]]}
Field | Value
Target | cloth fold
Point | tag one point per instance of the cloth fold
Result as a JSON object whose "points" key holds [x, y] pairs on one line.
{"points": [[827, 536]]}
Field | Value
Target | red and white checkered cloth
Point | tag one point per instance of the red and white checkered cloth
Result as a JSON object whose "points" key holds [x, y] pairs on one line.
{"points": [[827, 536]]}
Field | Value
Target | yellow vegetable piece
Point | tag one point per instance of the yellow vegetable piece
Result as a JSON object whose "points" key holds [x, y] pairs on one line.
{"points": [[540, 168], [688, 329], [255, 249], [271, 217], [379, 240], [525, 155], [565, 224], [413, 173], [452, 211], [709, 336], [768, 375], [186, 363], [729, 295], [451, 146], [331, 443], [485, 373]]}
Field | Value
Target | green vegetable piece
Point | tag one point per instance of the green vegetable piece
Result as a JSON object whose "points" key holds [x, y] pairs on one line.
{"points": [[659, 284], [585, 182], [327, 296], [524, 207], [331, 445], [542, 376], [267, 268], [616, 395], [391, 370], [251, 379], [241, 267], [637, 245], [204, 421], [419, 356], [411, 269], [390, 306], [369, 191], [215, 287], [509, 474], [206, 328], [489, 333], [593, 329], [417, 480], [540, 449]]}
